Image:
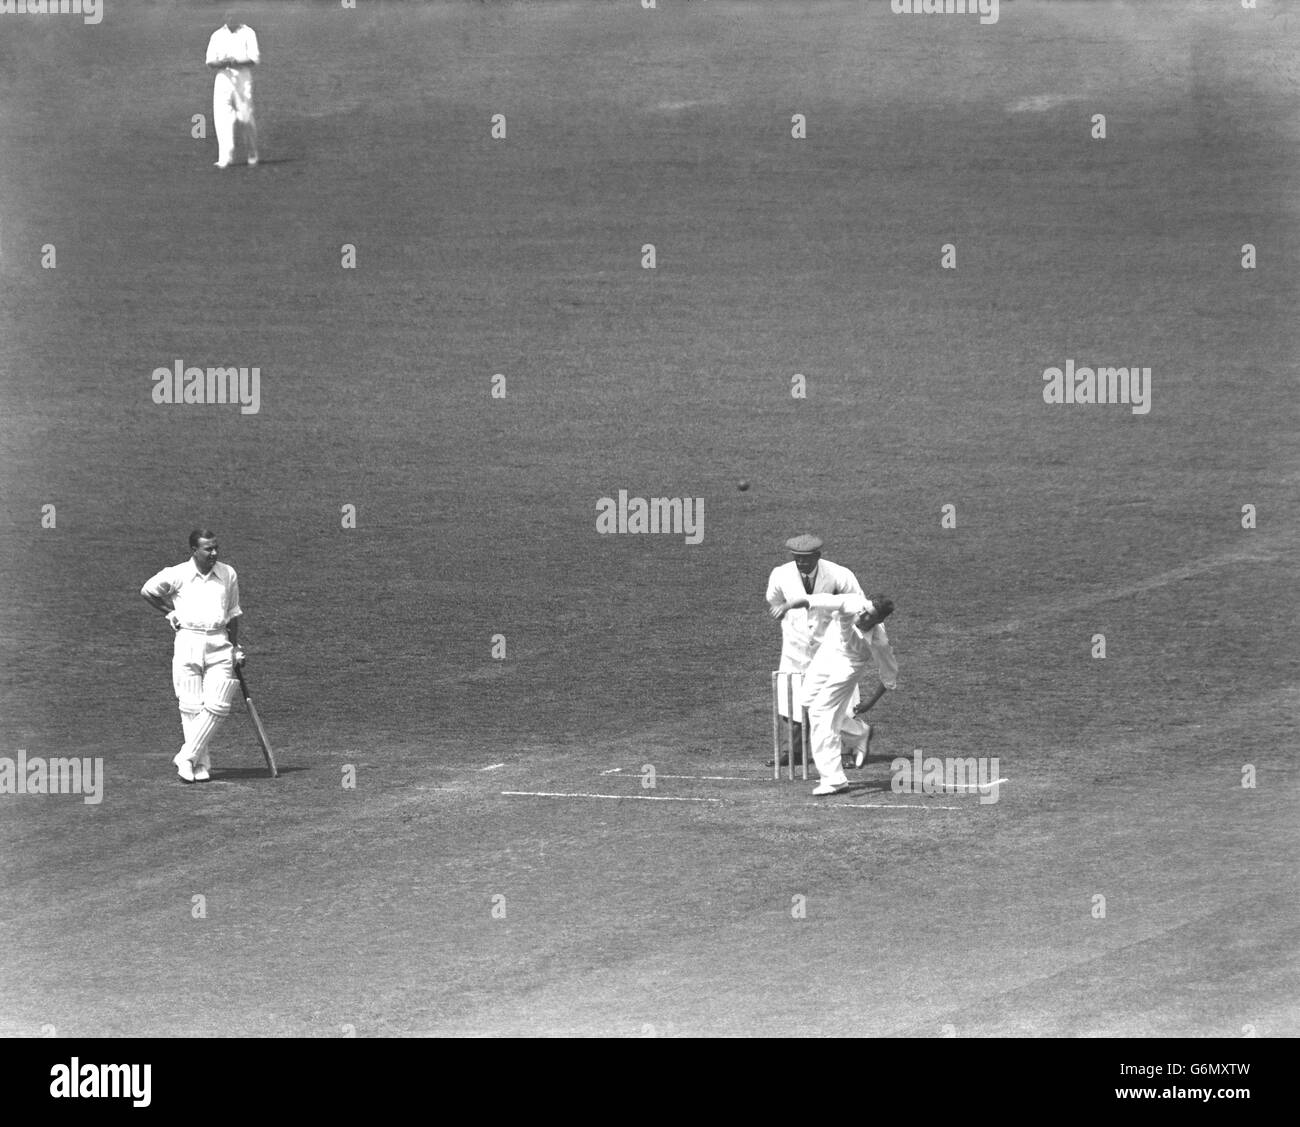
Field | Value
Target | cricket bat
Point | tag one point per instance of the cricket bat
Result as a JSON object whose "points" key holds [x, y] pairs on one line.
{"points": [[267, 753]]}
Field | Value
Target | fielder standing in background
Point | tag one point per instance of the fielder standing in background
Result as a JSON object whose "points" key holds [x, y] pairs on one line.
{"points": [[856, 643], [801, 634], [232, 53], [200, 599]]}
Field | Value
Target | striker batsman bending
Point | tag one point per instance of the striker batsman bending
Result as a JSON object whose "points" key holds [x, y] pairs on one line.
{"points": [[855, 641], [801, 635], [200, 599]]}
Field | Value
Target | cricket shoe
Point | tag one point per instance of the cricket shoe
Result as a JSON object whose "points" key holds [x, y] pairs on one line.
{"points": [[252, 161], [184, 766], [864, 749], [823, 789], [201, 775], [220, 164]]}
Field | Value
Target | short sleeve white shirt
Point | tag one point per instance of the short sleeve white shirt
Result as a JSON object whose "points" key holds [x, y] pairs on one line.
{"points": [[240, 45], [201, 602]]}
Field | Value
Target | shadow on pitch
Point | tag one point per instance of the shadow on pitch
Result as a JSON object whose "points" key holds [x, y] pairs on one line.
{"points": [[234, 774]]}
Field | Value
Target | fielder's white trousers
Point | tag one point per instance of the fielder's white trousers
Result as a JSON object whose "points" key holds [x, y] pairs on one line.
{"points": [[232, 100]]}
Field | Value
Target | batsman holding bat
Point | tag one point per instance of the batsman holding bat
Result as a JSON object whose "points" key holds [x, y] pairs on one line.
{"points": [[200, 600], [855, 641]]}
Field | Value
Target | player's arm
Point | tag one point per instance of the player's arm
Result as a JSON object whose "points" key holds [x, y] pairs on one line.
{"points": [[774, 592], [161, 605], [157, 593], [863, 706], [235, 612], [839, 604], [779, 610], [883, 655]]}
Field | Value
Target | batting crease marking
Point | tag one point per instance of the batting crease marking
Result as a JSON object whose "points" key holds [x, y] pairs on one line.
{"points": [[642, 797], [709, 778]]}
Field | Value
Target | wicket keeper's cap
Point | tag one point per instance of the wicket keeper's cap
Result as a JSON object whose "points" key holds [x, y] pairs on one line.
{"points": [[802, 545]]}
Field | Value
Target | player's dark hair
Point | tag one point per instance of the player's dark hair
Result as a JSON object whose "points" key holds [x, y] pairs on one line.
{"points": [[201, 534]]}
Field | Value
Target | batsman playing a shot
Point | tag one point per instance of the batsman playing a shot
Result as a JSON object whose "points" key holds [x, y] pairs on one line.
{"points": [[802, 634], [200, 599], [856, 641]]}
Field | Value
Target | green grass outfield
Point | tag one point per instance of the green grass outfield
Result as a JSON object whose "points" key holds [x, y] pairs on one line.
{"points": [[372, 908]]}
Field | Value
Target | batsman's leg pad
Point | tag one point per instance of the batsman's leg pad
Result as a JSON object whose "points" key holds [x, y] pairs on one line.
{"points": [[189, 694], [189, 721], [218, 692], [204, 730], [187, 670]]}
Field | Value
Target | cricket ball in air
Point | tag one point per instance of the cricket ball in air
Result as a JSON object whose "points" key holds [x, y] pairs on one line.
{"points": [[742, 485]]}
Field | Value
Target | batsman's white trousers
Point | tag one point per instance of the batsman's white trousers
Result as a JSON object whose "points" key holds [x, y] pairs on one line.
{"points": [[830, 688], [232, 100], [203, 671], [852, 730], [784, 675]]}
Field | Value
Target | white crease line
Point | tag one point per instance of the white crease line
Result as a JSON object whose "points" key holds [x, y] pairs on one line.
{"points": [[878, 806], [965, 786], [748, 778], [713, 778], [642, 797], [493, 767]]}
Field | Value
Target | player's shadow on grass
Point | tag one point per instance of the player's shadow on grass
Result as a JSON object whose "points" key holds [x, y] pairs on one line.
{"points": [[232, 774], [866, 786]]}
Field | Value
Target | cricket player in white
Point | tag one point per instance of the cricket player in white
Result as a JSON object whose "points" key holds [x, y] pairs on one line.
{"points": [[200, 599], [232, 53], [802, 632], [832, 679]]}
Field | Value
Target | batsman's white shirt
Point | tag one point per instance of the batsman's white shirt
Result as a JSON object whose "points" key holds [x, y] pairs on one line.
{"points": [[802, 631], [846, 646], [240, 45], [201, 602]]}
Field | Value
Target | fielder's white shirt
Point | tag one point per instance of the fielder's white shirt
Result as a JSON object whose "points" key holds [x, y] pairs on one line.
{"points": [[201, 602], [802, 631], [240, 45], [845, 640]]}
